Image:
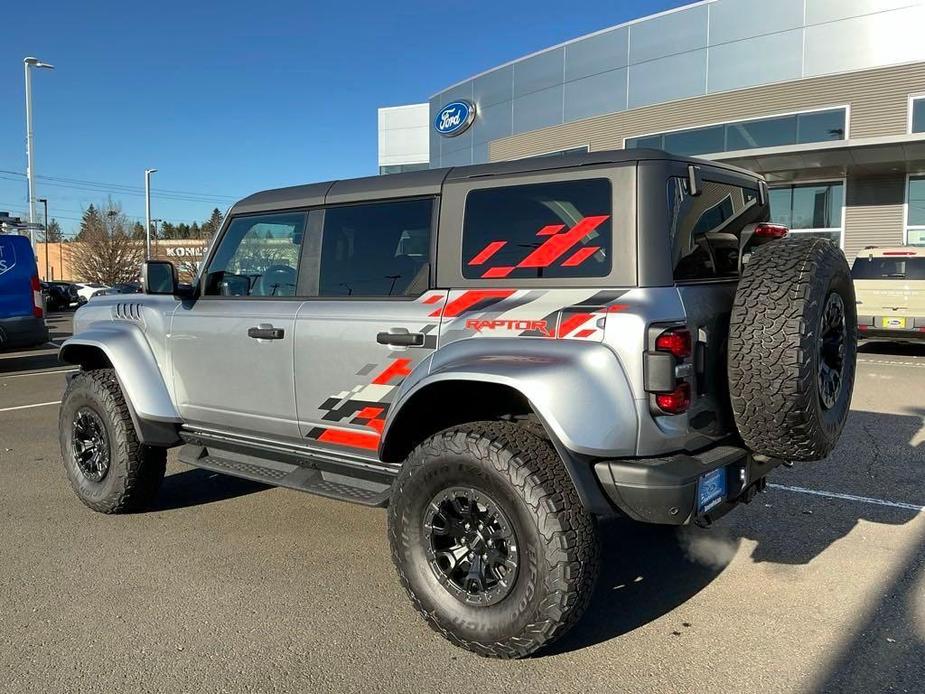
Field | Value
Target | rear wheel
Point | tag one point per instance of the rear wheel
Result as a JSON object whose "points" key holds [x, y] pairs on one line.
{"points": [[490, 539], [109, 469], [793, 349]]}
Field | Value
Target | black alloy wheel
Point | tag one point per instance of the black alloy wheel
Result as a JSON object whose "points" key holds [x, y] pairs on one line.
{"points": [[832, 350], [91, 445], [472, 548]]}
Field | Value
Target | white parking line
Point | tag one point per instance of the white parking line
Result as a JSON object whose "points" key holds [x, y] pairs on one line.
{"points": [[39, 373], [893, 362], [26, 407], [849, 497]]}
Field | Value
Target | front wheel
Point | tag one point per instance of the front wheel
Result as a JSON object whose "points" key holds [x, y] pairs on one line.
{"points": [[490, 539], [109, 468]]}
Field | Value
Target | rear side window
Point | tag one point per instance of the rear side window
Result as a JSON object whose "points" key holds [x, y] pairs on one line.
{"points": [[888, 268], [705, 228], [548, 230], [376, 249]]}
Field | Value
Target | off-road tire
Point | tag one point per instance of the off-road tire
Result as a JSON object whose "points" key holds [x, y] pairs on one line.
{"points": [[135, 471], [775, 335], [558, 540]]}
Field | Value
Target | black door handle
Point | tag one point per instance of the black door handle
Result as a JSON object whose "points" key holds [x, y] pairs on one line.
{"points": [[401, 339], [266, 333]]}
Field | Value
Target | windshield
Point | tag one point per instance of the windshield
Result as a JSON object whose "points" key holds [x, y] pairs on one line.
{"points": [[909, 268]]}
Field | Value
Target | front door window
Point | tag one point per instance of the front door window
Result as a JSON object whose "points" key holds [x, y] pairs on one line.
{"points": [[258, 256]]}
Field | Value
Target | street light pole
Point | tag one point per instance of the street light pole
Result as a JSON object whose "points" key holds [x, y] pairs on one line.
{"points": [[28, 64], [44, 201], [155, 222], [148, 173]]}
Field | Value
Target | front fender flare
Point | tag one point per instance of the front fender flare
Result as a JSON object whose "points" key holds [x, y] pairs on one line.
{"points": [[578, 389], [127, 349]]}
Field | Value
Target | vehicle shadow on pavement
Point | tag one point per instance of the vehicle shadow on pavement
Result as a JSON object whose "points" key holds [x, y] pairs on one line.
{"points": [[649, 571], [646, 572], [197, 487], [893, 349], [38, 359], [880, 456], [886, 650]]}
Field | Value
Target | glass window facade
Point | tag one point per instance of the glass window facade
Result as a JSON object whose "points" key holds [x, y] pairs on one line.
{"points": [[814, 208], [800, 128], [402, 168], [918, 115], [704, 48], [915, 219]]}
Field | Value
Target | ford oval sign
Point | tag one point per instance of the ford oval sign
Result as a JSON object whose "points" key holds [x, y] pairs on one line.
{"points": [[454, 118]]}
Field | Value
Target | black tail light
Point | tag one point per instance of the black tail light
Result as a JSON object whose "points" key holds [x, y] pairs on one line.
{"points": [[668, 368]]}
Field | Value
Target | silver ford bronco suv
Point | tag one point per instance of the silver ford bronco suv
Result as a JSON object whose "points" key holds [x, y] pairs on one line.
{"points": [[502, 354]]}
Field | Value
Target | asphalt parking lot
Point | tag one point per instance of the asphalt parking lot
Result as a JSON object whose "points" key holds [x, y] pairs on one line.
{"points": [[818, 585]]}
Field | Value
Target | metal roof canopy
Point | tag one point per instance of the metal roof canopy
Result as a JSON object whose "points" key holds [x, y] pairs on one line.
{"points": [[870, 156]]}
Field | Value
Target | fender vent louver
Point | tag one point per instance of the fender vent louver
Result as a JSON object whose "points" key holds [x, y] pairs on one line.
{"points": [[127, 311]]}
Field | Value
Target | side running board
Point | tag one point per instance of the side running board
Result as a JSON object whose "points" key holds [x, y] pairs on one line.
{"points": [[368, 489]]}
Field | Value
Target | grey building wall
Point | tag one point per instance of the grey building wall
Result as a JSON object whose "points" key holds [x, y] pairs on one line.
{"points": [[704, 49], [874, 213], [878, 100]]}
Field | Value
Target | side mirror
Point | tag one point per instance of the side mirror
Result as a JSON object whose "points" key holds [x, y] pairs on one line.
{"points": [[159, 277]]}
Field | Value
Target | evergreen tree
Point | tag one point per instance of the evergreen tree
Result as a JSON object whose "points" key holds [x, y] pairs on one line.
{"points": [[89, 221], [167, 231], [212, 224], [53, 232]]}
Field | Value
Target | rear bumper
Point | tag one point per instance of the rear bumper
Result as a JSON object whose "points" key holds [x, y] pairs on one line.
{"points": [[22, 331], [872, 328], [664, 490]]}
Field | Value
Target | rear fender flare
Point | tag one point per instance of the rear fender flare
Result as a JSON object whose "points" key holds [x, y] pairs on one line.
{"points": [[578, 389]]}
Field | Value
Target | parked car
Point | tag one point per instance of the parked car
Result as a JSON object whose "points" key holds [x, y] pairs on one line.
{"points": [[56, 298], [121, 288], [890, 286], [22, 306], [68, 296], [87, 290], [502, 354]]}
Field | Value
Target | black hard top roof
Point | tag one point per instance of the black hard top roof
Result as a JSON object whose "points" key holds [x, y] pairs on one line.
{"points": [[430, 181]]}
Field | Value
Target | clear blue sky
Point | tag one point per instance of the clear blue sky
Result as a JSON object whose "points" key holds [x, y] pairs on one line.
{"points": [[226, 98]]}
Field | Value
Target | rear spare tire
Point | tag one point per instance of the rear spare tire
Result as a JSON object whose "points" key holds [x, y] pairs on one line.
{"points": [[793, 349]]}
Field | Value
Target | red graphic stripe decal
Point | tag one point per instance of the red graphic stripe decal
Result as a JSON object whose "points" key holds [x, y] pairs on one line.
{"points": [[396, 369], [469, 299], [433, 299], [587, 332], [616, 308], [369, 413], [580, 256], [573, 323], [487, 252], [550, 230], [496, 272], [355, 439], [556, 246], [377, 424]]}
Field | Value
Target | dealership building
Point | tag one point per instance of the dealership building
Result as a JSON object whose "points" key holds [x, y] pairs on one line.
{"points": [[825, 98]]}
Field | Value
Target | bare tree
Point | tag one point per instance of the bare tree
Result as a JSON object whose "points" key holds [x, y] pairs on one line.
{"points": [[104, 250]]}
